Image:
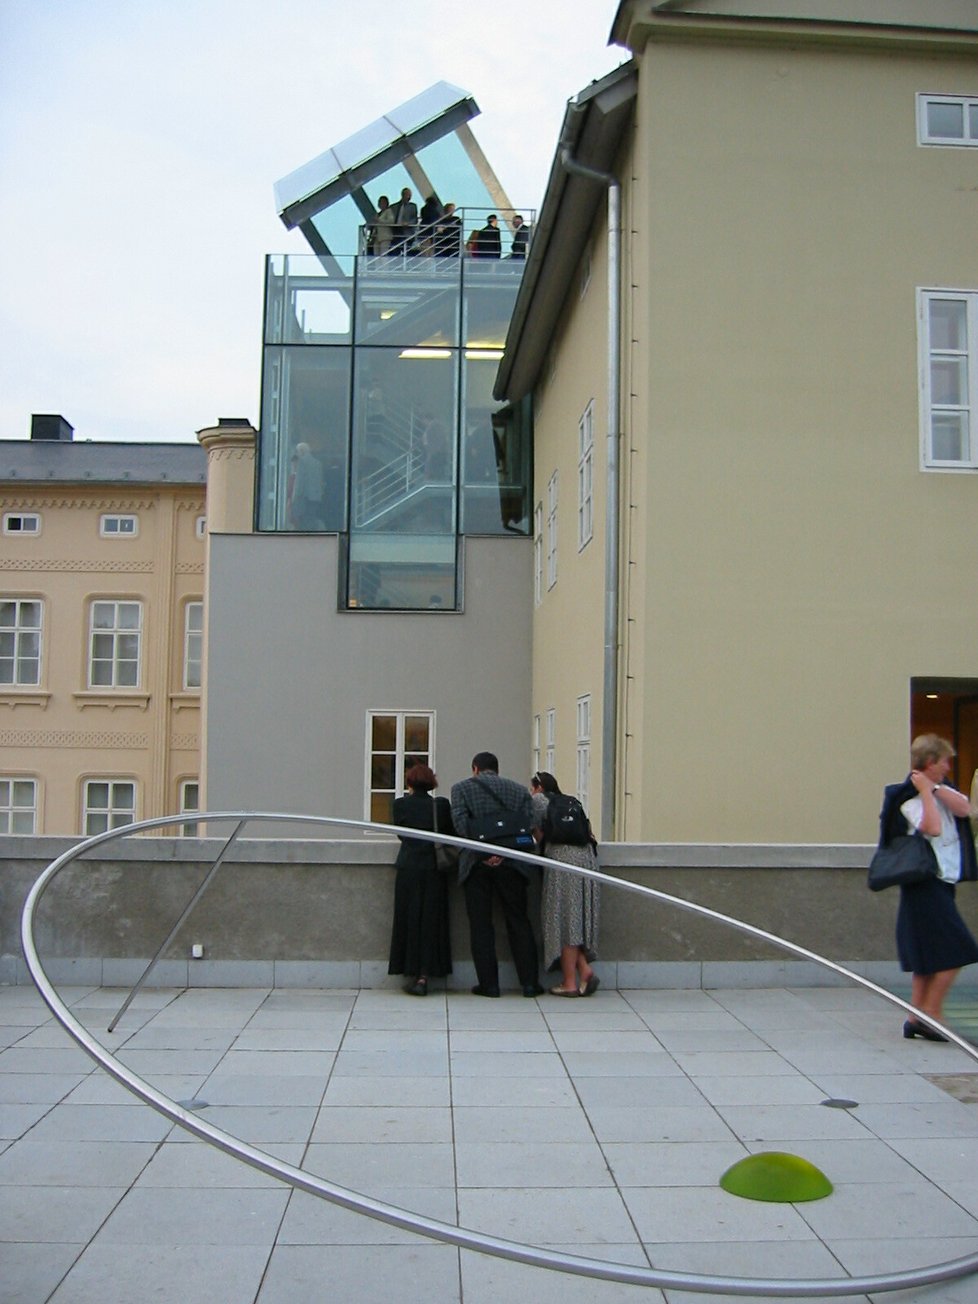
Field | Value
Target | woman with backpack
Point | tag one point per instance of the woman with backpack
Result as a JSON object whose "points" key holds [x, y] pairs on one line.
{"points": [[570, 905]]}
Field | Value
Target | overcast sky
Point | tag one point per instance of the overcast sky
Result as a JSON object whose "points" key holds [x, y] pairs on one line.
{"points": [[139, 144]]}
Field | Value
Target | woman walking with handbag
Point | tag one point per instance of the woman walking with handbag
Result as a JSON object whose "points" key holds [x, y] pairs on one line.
{"points": [[933, 941], [420, 945]]}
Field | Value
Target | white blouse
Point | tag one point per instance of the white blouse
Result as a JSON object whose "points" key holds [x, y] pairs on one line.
{"points": [[946, 844]]}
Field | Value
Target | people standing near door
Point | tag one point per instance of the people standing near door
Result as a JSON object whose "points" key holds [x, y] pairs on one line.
{"points": [[570, 905], [420, 944], [933, 941], [484, 878]]}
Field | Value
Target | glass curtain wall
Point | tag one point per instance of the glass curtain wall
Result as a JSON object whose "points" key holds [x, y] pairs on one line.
{"points": [[378, 420]]}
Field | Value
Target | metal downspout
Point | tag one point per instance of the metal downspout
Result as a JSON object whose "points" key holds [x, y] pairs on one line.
{"points": [[609, 720]]}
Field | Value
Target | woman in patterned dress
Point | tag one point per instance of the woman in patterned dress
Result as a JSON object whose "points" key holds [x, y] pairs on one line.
{"points": [[570, 904]]}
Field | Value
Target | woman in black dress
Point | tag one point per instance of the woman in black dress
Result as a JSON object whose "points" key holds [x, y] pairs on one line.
{"points": [[420, 944], [933, 941]]}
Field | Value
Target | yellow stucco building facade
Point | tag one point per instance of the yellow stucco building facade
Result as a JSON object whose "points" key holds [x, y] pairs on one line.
{"points": [[785, 417]]}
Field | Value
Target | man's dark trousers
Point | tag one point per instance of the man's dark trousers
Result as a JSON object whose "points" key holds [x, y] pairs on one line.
{"points": [[510, 884]]}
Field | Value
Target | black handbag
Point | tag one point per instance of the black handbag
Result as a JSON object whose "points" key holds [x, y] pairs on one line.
{"points": [[507, 829], [905, 859], [446, 857]]}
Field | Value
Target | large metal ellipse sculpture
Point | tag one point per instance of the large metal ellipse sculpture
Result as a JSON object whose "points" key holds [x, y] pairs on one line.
{"points": [[779, 1288]]}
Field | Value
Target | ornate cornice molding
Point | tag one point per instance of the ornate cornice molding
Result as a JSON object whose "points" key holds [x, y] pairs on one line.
{"points": [[76, 564], [71, 738]]}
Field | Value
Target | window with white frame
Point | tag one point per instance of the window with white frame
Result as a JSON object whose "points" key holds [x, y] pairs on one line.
{"points": [[947, 120], [18, 806], [193, 643], [107, 804], [396, 740], [552, 531], [585, 477], [584, 749], [113, 526], [200, 526], [21, 523], [20, 642], [189, 801], [536, 742], [538, 554], [550, 747], [948, 334], [115, 640]]}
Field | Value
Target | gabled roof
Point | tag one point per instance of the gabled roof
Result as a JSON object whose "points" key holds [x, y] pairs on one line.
{"points": [[593, 127], [33, 461]]}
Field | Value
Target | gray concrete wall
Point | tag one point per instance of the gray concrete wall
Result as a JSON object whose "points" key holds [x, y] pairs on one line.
{"points": [[318, 913], [290, 678]]}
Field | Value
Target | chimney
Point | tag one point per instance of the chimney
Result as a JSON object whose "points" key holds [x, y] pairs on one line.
{"points": [[51, 428]]}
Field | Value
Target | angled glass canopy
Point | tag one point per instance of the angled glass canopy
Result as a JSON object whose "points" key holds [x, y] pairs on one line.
{"points": [[424, 145]]}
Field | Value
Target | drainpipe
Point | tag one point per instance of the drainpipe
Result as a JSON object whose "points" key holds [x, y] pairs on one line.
{"points": [[609, 722]]}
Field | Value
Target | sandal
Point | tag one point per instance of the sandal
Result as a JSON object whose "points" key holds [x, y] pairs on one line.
{"points": [[564, 991]]}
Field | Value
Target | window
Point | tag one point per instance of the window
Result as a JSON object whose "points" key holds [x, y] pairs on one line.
{"points": [[948, 330], [584, 749], [396, 740], [114, 527], [18, 806], [116, 634], [551, 736], [109, 803], [21, 523], [536, 743], [189, 801], [200, 527], [20, 642], [538, 554], [193, 643], [585, 476], [947, 120], [552, 531]]}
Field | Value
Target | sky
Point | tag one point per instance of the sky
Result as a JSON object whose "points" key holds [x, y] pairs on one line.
{"points": [[139, 144]]}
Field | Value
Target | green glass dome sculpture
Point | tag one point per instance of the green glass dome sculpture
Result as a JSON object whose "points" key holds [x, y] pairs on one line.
{"points": [[777, 1177]]}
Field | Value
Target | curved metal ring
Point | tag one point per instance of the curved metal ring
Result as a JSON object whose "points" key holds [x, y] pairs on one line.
{"points": [[403, 1218]]}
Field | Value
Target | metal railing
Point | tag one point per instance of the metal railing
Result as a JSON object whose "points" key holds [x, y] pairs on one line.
{"points": [[461, 1237]]}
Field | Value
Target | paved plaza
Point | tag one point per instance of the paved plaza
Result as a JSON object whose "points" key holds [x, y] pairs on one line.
{"points": [[598, 1126]]}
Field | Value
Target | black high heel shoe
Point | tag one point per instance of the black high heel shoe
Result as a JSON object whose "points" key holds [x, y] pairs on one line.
{"points": [[914, 1029], [419, 988]]}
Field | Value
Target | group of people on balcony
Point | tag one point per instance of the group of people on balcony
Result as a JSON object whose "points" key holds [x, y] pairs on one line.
{"points": [[398, 229]]}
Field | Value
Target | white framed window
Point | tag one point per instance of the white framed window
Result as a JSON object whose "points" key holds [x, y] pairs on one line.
{"points": [[947, 120], [537, 723], [584, 749], [18, 806], [22, 523], [21, 621], [550, 736], [585, 477], [948, 342], [538, 554], [396, 740], [552, 531], [189, 801], [107, 804], [113, 526], [200, 527], [115, 642], [193, 643]]}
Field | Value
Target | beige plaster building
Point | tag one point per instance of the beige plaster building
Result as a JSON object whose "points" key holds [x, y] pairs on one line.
{"points": [[755, 450], [101, 631]]}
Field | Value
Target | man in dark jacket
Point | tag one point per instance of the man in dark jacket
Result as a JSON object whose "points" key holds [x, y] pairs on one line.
{"points": [[482, 877]]}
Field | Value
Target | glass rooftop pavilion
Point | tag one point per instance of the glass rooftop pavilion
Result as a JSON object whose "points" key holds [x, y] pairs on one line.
{"points": [[379, 367]]}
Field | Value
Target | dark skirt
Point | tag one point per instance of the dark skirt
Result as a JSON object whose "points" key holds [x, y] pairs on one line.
{"points": [[419, 937], [931, 936]]}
